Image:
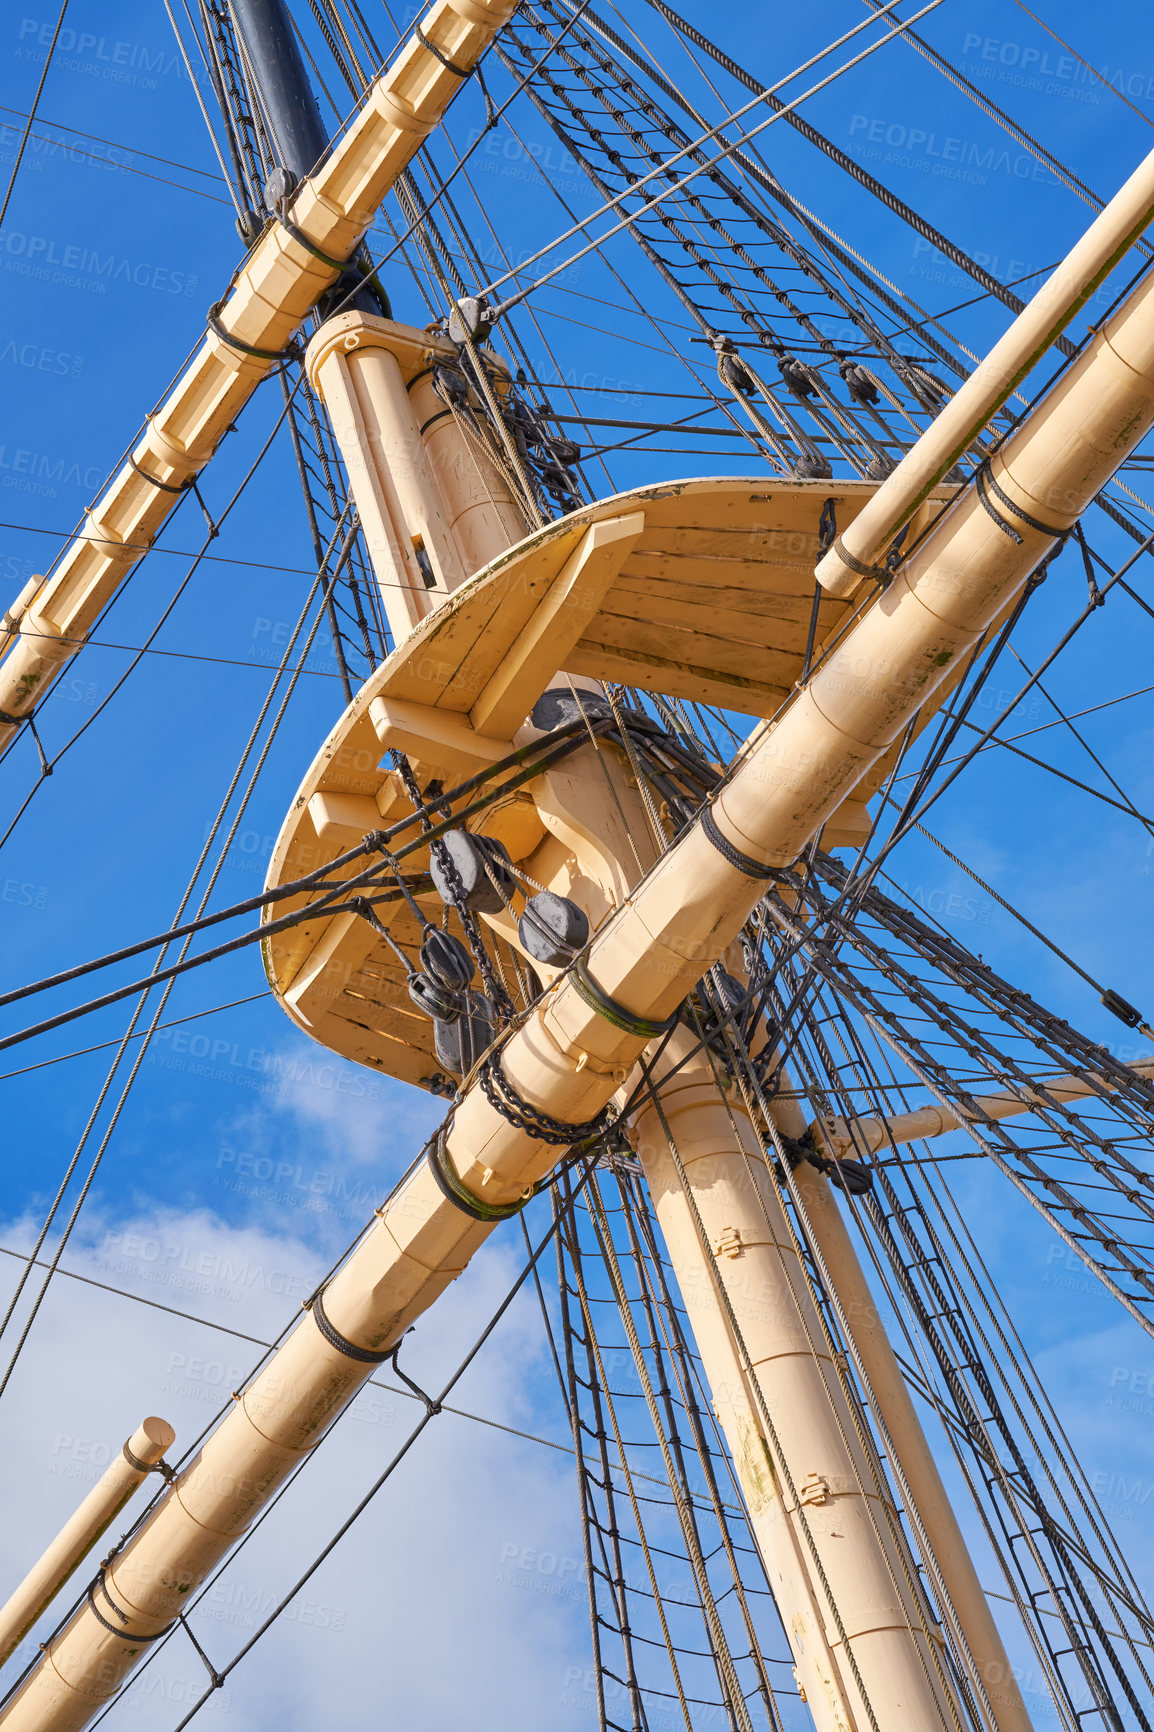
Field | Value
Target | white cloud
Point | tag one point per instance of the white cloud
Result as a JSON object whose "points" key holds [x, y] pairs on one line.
{"points": [[340, 1111], [424, 1614]]}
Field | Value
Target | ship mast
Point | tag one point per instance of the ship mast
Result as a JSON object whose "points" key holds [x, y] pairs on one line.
{"points": [[444, 516]]}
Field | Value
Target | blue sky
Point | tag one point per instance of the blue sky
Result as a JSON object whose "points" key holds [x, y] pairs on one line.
{"points": [[242, 1146]]}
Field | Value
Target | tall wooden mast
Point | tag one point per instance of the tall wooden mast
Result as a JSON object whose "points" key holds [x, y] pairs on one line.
{"points": [[476, 652]]}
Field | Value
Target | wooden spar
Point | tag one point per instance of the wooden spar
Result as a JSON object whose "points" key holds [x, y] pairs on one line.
{"points": [[124, 1473], [957, 1584], [567, 1059], [413, 485], [278, 284], [989, 386], [838, 1137]]}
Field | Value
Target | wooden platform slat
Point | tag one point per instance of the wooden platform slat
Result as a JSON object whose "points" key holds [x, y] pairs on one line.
{"points": [[775, 622], [695, 684], [732, 584], [719, 656]]}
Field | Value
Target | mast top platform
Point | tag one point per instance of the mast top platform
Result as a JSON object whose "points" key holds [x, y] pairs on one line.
{"points": [[697, 589]]}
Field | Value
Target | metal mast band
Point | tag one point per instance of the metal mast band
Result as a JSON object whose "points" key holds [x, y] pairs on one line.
{"points": [[438, 54], [847, 558], [302, 240], [165, 486], [743, 862], [454, 1191], [626, 1020], [363, 1355], [218, 330], [114, 1629], [139, 1466], [984, 479]]}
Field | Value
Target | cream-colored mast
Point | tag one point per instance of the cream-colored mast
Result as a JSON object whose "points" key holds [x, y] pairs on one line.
{"points": [[810, 1480], [851, 1606], [865, 1646], [433, 508], [280, 281], [878, 1666], [965, 416]]}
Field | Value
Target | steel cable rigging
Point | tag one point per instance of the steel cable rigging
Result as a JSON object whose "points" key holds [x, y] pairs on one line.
{"points": [[809, 967]]}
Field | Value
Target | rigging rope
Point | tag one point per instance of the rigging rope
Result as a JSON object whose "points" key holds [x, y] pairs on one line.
{"points": [[679, 184], [954, 253], [23, 145], [158, 975], [1039, 151], [706, 253], [432, 1409]]}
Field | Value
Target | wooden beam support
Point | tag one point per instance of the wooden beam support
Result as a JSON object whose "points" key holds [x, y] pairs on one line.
{"points": [[343, 818], [544, 643], [440, 738]]}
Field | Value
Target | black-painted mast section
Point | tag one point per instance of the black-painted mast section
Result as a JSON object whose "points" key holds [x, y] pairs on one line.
{"points": [[276, 69]]}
